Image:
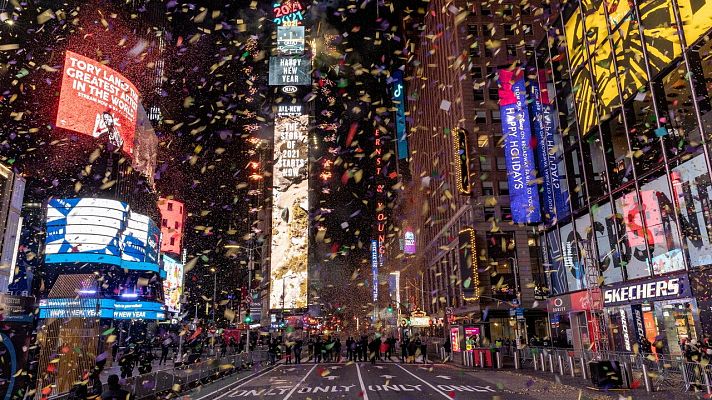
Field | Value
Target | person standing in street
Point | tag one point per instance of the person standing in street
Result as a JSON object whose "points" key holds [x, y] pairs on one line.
{"points": [[298, 351], [318, 348], [447, 346], [114, 391], [337, 350]]}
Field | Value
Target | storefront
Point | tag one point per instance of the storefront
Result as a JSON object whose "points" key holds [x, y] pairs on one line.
{"points": [[570, 319], [660, 310]]}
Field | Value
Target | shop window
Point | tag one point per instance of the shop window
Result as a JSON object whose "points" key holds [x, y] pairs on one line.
{"points": [[512, 50], [503, 188], [476, 73], [164, 222], [487, 188], [475, 50], [682, 121], [608, 242], [678, 322], [501, 255]]}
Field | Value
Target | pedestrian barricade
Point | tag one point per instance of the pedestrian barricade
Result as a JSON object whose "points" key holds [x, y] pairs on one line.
{"points": [[650, 372], [182, 378]]}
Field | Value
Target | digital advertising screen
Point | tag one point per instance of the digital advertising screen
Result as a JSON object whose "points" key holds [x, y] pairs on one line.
{"points": [[102, 231], [516, 129], [173, 283], [467, 253], [409, 246], [290, 40], [293, 70], [172, 220], [290, 219], [95, 100], [100, 308], [398, 98]]}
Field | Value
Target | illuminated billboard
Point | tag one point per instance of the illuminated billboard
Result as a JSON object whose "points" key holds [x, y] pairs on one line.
{"points": [[467, 256], [462, 161], [294, 70], [100, 231], [172, 221], [102, 308], [290, 208], [374, 270], [288, 13], [409, 246], [523, 189], [290, 40], [398, 98], [95, 100], [660, 37], [172, 284]]}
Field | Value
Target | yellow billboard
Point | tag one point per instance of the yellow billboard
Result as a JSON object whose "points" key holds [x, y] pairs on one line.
{"points": [[589, 47]]}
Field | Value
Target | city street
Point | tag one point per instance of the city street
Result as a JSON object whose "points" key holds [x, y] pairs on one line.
{"points": [[353, 381]]}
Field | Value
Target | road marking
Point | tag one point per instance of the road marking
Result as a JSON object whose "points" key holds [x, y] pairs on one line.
{"points": [[298, 383], [447, 378], [425, 382], [360, 381], [243, 381]]}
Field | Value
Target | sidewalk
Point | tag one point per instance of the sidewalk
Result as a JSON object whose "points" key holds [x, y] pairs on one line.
{"points": [[544, 385]]}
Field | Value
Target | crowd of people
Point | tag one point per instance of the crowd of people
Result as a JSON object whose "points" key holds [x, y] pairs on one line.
{"points": [[361, 349]]}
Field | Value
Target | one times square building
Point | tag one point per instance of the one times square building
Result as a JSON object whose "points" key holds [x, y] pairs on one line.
{"points": [[626, 178]]}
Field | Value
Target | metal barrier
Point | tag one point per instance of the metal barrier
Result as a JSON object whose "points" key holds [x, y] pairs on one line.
{"points": [[652, 371], [152, 384]]}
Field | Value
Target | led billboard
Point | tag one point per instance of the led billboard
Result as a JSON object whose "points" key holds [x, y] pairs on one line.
{"points": [[290, 40], [398, 98], [409, 246], [294, 70], [172, 221], [467, 256], [101, 308], [290, 207], [288, 13], [100, 231], [374, 270], [523, 189], [98, 101], [172, 284]]}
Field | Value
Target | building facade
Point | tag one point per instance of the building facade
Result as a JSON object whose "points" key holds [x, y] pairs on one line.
{"points": [[472, 264], [629, 85]]}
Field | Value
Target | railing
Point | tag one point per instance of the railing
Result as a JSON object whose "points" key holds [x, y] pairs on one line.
{"points": [[179, 379], [652, 372]]}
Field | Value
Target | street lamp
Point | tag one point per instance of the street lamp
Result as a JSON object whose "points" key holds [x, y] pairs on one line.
{"points": [[215, 290]]}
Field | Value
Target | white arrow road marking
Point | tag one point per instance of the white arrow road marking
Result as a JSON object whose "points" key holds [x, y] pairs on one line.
{"points": [[387, 376], [331, 377], [443, 377], [299, 383]]}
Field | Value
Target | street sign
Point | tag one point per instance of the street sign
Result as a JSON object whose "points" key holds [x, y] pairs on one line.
{"points": [[449, 311]]}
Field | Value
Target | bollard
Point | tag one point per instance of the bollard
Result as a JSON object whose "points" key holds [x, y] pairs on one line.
{"points": [[646, 379], [536, 361], [584, 373], [707, 381], [499, 360], [517, 360], [561, 365], [464, 358], [571, 366], [543, 363], [482, 359], [551, 363]]}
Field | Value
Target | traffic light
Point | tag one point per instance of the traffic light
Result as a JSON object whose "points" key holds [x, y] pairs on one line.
{"points": [[390, 308], [248, 319]]}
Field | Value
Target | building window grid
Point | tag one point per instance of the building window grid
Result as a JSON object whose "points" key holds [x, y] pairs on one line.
{"points": [[665, 168]]}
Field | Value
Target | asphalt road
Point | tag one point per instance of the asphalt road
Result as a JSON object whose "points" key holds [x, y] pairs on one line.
{"points": [[353, 381]]}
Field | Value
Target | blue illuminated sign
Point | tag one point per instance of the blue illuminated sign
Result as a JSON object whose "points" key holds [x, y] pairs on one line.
{"points": [[374, 268], [106, 308], [523, 189], [398, 94], [554, 196]]}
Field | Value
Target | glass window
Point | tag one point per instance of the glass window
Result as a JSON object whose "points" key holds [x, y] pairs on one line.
{"points": [[506, 213], [487, 188], [501, 163], [473, 30], [527, 29], [633, 243], [512, 50], [622, 172], [164, 222], [595, 162], [508, 10], [478, 95], [501, 257], [606, 229], [496, 116], [508, 29], [489, 213], [481, 116], [476, 72], [575, 177], [503, 188], [482, 141], [684, 135], [475, 50], [485, 164], [485, 11], [647, 155], [170, 206], [493, 93]]}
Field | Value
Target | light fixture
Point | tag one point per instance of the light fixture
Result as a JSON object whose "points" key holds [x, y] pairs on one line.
{"points": [[129, 295]]}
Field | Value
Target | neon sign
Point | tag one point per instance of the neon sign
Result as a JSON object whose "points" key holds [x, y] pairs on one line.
{"points": [[289, 13]]}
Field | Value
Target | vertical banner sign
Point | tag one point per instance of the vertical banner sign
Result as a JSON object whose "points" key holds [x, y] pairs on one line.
{"points": [[462, 161], [523, 189], [467, 252], [380, 209], [555, 204], [374, 269], [398, 94]]}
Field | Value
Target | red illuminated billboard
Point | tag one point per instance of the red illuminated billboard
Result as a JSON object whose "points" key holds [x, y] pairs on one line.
{"points": [[172, 221], [98, 101]]}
